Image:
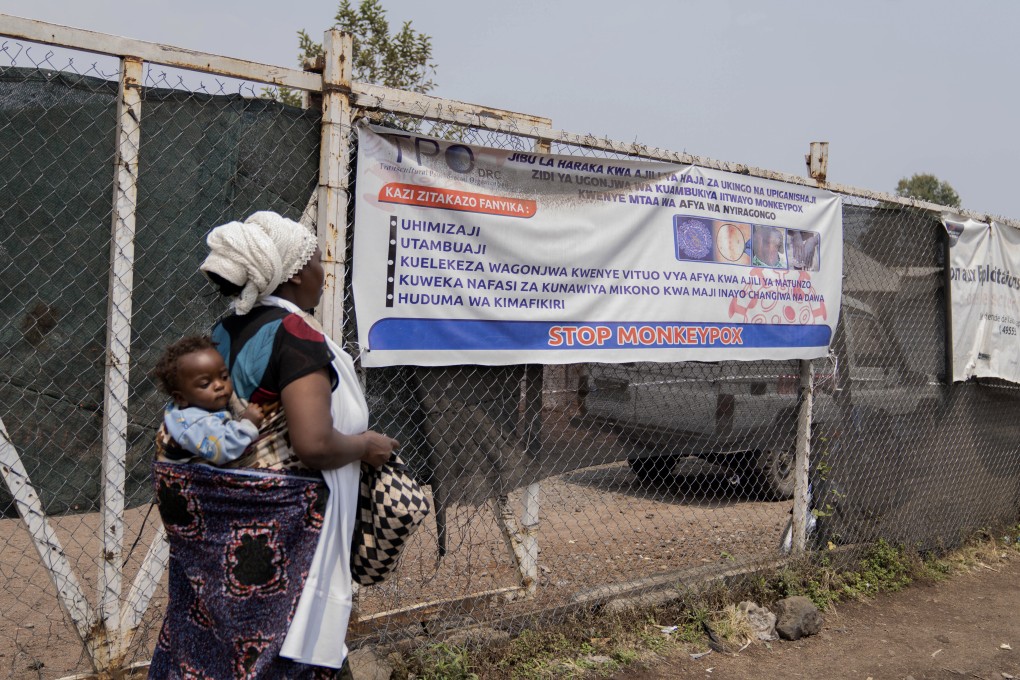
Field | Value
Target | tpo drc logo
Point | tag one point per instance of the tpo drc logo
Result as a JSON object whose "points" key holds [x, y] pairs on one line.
{"points": [[457, 157]]}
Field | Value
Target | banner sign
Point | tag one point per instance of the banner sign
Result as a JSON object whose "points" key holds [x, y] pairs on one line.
{"points": [[471, 255], [984, 292]]}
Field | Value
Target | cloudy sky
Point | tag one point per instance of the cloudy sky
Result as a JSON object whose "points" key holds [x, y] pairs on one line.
{"points": [[895, 86]]}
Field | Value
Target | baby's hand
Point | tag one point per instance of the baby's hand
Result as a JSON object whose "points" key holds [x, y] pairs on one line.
{"points": [[254, 414]]}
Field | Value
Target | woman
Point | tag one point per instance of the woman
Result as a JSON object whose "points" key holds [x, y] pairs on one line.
{"points": [[260, 583]]}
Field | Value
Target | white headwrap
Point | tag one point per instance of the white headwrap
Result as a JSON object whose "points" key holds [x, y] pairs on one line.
{"points": [[258, 254]]}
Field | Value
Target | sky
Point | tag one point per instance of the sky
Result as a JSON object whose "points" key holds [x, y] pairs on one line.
{"points": [[896, 87]]}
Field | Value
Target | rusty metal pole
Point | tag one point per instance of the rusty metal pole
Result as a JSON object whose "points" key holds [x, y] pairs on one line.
{"points": [[334, 182], [46, 541], [534, 382], [107, 648], [334, 178], [802, 461], [817, 162]]}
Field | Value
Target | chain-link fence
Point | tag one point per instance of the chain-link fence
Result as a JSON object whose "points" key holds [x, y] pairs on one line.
{"points": [[555, 487]]}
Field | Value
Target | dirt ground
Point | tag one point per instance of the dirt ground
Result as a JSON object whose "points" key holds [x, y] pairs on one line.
{"points": [[965, 627], [598, 527]]}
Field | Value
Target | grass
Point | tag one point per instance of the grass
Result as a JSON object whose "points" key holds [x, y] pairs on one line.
{"points": [[444, 662], [732, 626], [597, 644]]}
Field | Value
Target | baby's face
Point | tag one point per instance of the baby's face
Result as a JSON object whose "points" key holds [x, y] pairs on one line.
{"points": [[203, 381]]}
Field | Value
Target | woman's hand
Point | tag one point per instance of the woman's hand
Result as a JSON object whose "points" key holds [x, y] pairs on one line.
{"points": [[378, 448]]}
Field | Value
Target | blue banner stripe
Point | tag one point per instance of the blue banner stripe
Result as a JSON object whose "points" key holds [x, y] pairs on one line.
{"points": [[463, 334]]}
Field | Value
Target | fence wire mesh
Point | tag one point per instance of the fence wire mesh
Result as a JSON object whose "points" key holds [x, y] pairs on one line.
{"points": [[624, 476], [211, 151]]}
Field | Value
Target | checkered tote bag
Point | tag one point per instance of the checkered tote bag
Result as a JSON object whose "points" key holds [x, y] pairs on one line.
{"points": [[391, 505]]}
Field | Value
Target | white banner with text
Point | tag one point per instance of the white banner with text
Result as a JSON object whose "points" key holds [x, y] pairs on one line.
{"points": [[471, 255], [984, 292]]}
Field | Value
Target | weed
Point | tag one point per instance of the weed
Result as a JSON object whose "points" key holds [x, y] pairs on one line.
{"points": [[823, 587], [652, 639], [443, 662], [531, 651], [692, 623], [593, 644], [625, 656], [884, 568], [937, 570], [732, 626]]}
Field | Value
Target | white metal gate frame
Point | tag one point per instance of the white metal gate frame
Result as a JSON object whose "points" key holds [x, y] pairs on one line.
{"points": [[108, 631]]}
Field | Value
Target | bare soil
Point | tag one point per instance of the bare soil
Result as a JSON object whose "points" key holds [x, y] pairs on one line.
{"points": [[598, 526], [965, 627]]}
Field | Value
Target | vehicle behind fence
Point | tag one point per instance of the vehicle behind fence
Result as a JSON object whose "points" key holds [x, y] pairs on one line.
{"points": [[555, 486]]}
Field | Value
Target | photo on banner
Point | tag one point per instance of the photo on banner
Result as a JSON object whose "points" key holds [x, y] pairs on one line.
{"points": [[467, 254]]}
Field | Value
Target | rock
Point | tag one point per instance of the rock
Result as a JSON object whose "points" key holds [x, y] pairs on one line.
{"points": [[761, 619], [597, 659], [797, 617], [367, 664]]}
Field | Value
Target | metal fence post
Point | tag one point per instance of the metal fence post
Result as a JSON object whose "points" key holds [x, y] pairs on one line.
{"points": [[47, 544], [817, 162], [118, 357], [334, 177], [801, 505], [534, 383]]}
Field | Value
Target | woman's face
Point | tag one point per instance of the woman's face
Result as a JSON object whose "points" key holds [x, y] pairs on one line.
{"points": [[313, 276]]}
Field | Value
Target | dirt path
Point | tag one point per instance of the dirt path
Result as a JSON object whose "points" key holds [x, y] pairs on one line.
{"points": [[953, 629]]}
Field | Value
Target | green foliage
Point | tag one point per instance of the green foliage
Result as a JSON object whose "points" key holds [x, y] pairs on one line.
{"points": [[813, 579], [402, 60], [588, 645], [926, 187], [884, 568], [825, 502], [624, 656], [533, 654], [443, 662], [692, 628], [283, 95], [827, 506], [937, 570], [531, 647], [651, 638], [595, 644]]}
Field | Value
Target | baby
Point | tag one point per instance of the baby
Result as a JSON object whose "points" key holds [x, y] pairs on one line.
{"points": [[192, 372]]}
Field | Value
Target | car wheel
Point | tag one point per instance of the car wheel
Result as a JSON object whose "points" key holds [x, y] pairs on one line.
{"points": [[652, 470], [774, 476]]}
